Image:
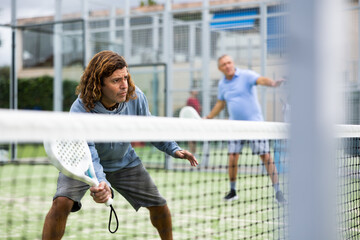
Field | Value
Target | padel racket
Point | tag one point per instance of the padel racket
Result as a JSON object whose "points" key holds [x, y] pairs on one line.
{"points": [[189, 112], [73, 159]]}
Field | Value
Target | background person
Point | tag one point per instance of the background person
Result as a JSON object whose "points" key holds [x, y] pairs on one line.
{"points": [[237, 91], [194, 102], [106, 87]]}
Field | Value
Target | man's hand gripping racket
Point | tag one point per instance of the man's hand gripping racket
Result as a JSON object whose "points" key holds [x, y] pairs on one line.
{"points": [[73, 159]]}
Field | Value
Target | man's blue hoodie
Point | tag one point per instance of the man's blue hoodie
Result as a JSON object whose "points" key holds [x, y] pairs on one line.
{"points": [[112, 156]]}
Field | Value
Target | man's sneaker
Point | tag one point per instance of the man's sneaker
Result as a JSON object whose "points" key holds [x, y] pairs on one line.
{"points": [[231, 196], [280, 197]]}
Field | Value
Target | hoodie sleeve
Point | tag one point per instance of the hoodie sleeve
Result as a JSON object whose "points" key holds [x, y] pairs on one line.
{"points": [[78, 107], [143, 110], [99, 171], [167, 147]]}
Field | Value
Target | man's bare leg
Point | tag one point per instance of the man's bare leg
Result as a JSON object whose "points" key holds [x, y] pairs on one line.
{"points": [[270, 167], [233, 166], [161, 219], [55, 221]]}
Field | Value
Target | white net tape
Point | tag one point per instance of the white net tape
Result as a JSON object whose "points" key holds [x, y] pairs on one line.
{"points": [[22, 126]]}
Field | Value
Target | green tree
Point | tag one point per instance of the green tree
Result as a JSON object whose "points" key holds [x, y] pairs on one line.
{"points": [[149, 3]]}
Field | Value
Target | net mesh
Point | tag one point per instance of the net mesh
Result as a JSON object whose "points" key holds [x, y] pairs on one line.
{"points": [[195, 195], [348, 184]]}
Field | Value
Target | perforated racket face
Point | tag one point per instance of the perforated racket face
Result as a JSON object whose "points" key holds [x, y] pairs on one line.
{"points": [[189, 112], [73, 154]]}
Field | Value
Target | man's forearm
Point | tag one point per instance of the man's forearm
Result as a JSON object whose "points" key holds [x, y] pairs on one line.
{"points": [[216, 109], [268, 82]]}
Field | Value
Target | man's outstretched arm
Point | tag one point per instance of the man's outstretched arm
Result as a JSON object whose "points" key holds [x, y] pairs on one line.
{"points": [[265, 81], [216, 109]]}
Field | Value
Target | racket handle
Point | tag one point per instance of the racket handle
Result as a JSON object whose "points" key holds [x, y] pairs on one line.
{"points": [[96, 183], [109, 202]]}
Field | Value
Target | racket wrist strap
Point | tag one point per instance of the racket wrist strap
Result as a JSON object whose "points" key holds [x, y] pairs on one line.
{"points": [[112, 193], [112, 211]]}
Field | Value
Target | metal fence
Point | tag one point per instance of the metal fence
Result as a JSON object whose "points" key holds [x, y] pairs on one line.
{"points": [[188, 38]]}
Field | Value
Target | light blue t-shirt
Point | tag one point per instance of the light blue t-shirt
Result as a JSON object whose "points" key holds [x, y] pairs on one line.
{"points": [[241, 96]]}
